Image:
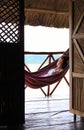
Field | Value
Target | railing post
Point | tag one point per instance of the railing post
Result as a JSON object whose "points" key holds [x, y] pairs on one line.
{"points": [[48, 89]]}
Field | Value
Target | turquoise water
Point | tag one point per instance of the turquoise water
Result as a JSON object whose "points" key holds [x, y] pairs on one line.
{"points": [[36, 59]]}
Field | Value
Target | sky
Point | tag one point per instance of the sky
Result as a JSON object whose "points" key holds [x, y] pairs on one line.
{"points": [[46, 39]]}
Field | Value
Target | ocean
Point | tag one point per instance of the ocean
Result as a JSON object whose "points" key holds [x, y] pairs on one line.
{"points": [[37, 59]]}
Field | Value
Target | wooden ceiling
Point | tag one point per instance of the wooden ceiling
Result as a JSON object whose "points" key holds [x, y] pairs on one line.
{"points": [[50, 13]]}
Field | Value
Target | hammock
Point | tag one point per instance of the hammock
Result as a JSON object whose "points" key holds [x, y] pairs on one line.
{"points": [[35, 79]]}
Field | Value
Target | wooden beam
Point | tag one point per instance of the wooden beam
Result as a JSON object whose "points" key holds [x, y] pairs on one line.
{"points": [[46, 53], [79, 50], [47, 11], [78, 24], [78, 36], [77, 75]]}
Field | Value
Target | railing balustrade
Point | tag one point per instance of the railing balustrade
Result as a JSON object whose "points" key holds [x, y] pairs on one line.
{"points": [[49, 58]]}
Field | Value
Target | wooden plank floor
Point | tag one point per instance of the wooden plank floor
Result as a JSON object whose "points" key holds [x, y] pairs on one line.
{"points": [[48, 113]]}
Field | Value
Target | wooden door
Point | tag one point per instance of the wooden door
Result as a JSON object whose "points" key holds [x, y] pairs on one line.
{"points": [[77, 57], [11, 62]]}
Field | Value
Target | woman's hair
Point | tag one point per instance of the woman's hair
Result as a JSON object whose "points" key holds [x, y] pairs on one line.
{"points": [[65, 61]]}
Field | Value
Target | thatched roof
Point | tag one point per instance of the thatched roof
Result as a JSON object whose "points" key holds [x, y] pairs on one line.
{"points": [[51, 13]]}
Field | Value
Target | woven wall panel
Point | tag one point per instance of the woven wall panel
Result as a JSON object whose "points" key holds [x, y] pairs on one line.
{"points": [[9, 21]]}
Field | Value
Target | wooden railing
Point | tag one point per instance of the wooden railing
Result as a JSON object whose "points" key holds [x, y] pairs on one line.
{"points": [[50, 58]]}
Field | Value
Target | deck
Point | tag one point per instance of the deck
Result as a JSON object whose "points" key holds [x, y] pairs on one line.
{"points": [[48, 113]]}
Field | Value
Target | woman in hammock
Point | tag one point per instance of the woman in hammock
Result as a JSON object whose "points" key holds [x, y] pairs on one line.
{"points": [[61, 64]]}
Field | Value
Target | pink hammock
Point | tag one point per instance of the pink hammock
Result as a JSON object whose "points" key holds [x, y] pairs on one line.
{"points": [[35, 79]]}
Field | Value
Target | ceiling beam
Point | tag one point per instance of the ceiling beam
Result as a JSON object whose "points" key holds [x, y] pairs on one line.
{"points": [[46, 11]]}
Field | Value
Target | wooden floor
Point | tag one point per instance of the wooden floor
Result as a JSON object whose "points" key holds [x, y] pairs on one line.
{"points": [[48, 113]]}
